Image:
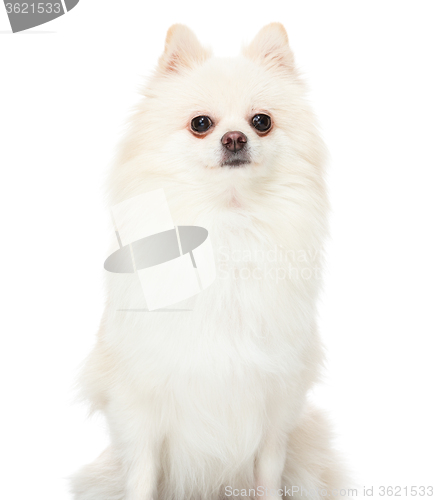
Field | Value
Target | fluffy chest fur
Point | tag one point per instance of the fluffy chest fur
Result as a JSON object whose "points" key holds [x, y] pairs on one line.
{"points": [[213, 379]]}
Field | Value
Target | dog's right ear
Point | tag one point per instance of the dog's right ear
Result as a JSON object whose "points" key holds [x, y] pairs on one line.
{"points": [[182, 50]]}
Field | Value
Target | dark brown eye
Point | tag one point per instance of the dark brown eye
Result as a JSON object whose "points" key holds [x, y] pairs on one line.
{"points": [[261, 122], [201, 124]]}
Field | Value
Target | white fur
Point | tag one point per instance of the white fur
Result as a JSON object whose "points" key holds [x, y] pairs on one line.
{"points": [[216, 397]]}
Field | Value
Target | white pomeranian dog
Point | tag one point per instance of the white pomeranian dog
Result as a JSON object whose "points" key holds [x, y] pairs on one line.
{"points": [[211, 403]]}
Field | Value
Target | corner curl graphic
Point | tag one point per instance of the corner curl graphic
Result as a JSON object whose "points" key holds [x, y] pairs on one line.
{"points": [[24, 15]]}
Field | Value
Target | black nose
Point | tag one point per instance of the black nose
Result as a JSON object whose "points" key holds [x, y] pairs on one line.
{"points": [[234, 141]]}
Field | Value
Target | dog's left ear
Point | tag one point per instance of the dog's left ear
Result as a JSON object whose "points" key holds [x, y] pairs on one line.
{"points": [[182, 50], [270, 47]]}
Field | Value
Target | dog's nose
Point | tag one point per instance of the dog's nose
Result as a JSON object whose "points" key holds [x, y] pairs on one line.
{"points": [[234, 141]]}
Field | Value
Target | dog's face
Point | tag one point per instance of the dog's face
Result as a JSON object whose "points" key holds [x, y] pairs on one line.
{"points": [[225, 124], [226, 117]]}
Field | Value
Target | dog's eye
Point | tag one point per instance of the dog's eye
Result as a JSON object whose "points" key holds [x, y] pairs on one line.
{"points": [[261, 122], [201, 124]]}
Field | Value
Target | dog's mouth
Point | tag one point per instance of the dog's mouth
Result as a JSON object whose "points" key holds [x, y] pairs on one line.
{"points": [[234, 163], [234, 159]]}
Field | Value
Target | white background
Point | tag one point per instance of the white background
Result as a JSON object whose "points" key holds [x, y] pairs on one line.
{"points": [[65, 91]]}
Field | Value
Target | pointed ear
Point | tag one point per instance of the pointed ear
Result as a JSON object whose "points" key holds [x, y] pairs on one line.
{"points": [[182, 50], [270, 47]]}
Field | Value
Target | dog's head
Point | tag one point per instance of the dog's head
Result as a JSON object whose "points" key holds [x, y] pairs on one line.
{"points": [[219, 126]]}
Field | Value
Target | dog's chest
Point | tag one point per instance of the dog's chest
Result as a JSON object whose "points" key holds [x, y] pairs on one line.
{"points": [[248, 325]]}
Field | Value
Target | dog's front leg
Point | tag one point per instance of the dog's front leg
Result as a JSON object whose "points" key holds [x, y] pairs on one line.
{"points": [[137, 439], [142, 473], [270, 466]]}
